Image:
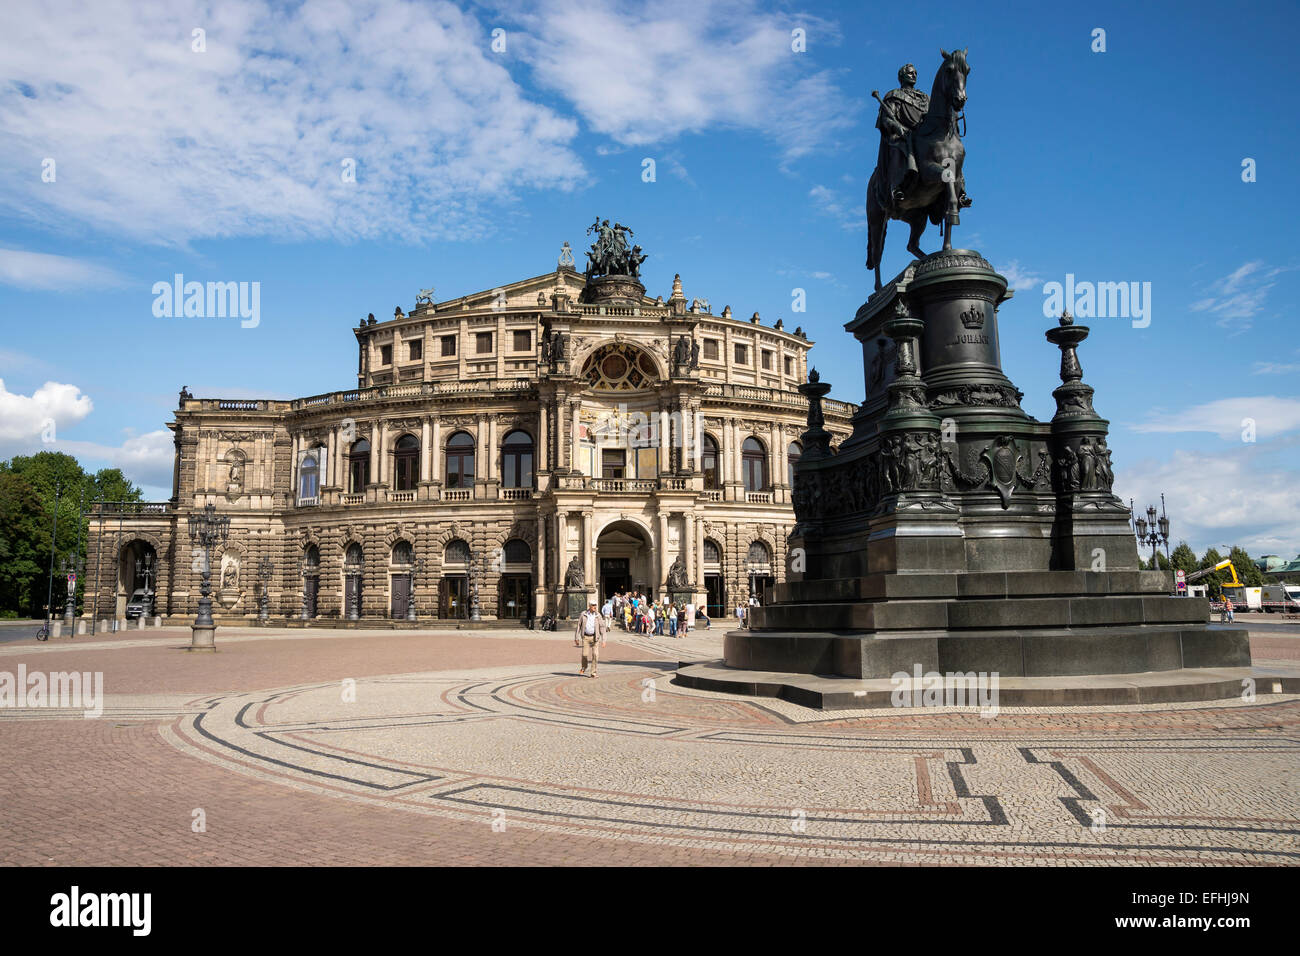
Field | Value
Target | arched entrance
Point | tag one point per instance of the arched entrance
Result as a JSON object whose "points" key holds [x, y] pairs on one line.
{"points": [[624, 560], [137, 578]]}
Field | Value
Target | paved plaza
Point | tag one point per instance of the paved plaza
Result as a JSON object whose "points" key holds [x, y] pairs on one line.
{"points": [[486, 747]]}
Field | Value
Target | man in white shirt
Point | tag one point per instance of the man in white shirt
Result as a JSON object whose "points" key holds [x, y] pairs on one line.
{"points": [[589, 634]]}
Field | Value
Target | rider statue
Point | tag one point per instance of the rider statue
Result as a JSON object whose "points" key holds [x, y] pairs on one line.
{"points": [[901, 111]]}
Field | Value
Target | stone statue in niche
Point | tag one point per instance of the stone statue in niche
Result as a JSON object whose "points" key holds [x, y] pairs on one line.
{"points": [[677, 580], [574, 577]]}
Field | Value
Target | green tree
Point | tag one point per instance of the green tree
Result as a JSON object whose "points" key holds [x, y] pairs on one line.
{"points": [[1183, 558], [25, 536]]}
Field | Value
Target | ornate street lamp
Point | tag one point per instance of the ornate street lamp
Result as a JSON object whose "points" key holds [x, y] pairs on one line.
{"points": [[358, 570], [474, 613], [302, 573], [265, 571], [147, 571], [71, 571], [1153, 531], [417, 568], [207, 528]]}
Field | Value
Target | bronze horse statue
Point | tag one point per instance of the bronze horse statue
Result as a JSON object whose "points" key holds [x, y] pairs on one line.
{"points": [[939, 190]]}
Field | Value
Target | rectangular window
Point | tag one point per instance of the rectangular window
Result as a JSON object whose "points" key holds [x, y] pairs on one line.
{"points": [[417, 349], [385, 355], [613, 462], [523, 340], [711, 349], [483, 343], [767, 360], [448, 345], [789, 365], [742, 354]]}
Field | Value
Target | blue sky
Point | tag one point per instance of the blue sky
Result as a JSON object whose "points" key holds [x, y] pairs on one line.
{"points": [[473, 165]]}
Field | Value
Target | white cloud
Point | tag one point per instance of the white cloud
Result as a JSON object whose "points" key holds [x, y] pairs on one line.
{"points": [[644, 74], [1227, 417], [40, 270], [1237, 298], [24, 418], [145, 459], [832, 204], [1218, 499], [1020, 279], [156, 142]]}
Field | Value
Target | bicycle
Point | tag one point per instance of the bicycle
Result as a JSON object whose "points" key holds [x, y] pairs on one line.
{"points": [[43, 634]]}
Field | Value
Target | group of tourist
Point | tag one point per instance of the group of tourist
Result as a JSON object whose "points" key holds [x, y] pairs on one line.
{"points": [[637, 613]]}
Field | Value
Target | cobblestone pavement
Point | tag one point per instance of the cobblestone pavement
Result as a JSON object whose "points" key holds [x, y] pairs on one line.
{"points": [[346, 747]]}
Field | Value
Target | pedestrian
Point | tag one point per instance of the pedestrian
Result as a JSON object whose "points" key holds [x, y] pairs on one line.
{"points": [[607, 612], [1227, 606], [589, 634], [740, 614], [702, 615], [688, 616], [672, 621]]}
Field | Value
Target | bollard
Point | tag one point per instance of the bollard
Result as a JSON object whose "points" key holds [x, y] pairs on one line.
{"points": [[157, 621], [57, 629], [140, 622], [81, 626]]}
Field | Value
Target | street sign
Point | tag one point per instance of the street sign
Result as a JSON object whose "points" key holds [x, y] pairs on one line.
{"points": [[1181, 578], [72, 579]]}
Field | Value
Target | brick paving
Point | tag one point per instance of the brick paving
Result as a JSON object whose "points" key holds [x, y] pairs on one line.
{"points": [[448, 734]]}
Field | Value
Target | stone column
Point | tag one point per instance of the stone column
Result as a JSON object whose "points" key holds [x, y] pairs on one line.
{"points": [[383, 453], [493, 444], [777, 456], [374, 451], [541, 437], [542, 575], [663, 552], [697, 438], [561, 546], [588, 552], [688, 536], [573, 436], [331, 458], [424, 450], [665, 442], [699, 553], [435, 451]]}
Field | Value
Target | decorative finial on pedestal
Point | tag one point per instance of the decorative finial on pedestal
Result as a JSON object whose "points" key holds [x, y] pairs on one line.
{"points": [[816, 440]]}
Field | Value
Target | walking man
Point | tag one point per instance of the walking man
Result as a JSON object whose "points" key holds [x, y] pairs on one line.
{"points": [[589, 634]]}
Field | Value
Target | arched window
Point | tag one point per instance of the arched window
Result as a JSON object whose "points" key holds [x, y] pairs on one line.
{"points": [[406, 457], [518, 552], [457, 552], [793, 454], [352, 558], [403, 553], [311, 558], [709, 463], [358, 466], [517, 460], [753, 459], [309, 475], [759, 555], [712, 553], [460, 460]]}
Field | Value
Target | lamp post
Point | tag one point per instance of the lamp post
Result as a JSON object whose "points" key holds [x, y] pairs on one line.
{"points": [[417, 567], [302, 573], [474, 612], [354, 608], [49, 588], [147, 571], [265, 571], [207, 528], [1153, 531], [71, 571]]}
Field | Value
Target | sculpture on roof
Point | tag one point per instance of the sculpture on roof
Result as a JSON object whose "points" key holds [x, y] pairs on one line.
{"points": [[609, 254]]}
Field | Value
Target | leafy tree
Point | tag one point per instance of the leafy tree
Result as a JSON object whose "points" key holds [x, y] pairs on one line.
{"points": [[1183, 558], [1213, 582], [27, 506]]}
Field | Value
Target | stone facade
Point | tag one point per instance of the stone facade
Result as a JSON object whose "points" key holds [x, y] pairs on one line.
{"points": [[492, 438]]}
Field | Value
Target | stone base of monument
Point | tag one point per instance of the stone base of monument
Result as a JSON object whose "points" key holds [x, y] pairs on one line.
{"points": [[1184, 685], [953, 533]]}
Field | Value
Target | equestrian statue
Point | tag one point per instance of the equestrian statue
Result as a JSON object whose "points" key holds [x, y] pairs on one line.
{"points": [[918, 171]]}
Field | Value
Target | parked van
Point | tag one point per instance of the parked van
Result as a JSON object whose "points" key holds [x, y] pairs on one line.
{"points": [[138, 605], [1281, 597]]}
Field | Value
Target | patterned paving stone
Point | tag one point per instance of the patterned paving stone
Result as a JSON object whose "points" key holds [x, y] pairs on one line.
{"points": [[629, 763]]}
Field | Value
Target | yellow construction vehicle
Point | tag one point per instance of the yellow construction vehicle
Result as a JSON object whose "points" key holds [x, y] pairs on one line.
{"points": [[1206, 572]]}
